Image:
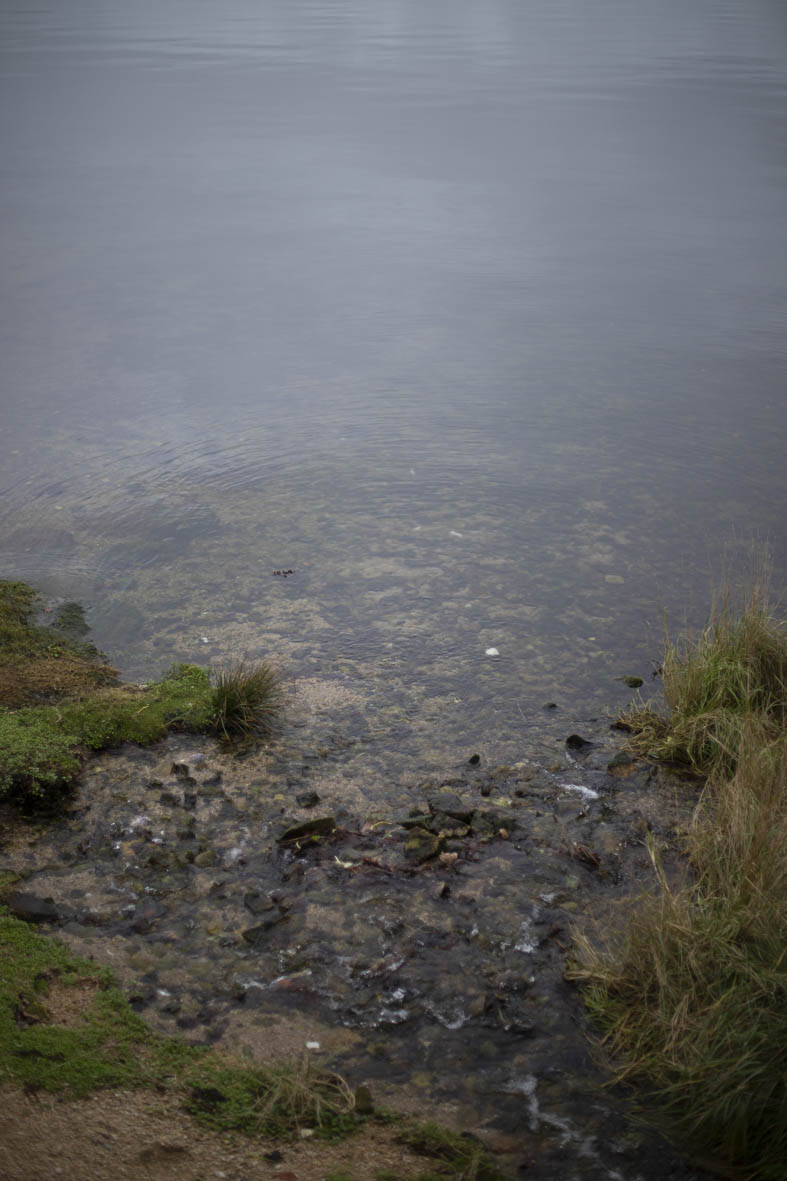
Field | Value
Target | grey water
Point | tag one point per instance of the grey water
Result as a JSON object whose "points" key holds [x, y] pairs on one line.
{"points": [[471, 314]]}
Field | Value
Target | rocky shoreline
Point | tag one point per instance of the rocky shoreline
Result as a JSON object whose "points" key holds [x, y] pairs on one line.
{"points": [[415, 937]]}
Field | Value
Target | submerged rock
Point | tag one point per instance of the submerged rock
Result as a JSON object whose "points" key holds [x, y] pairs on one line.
{"points": [[421, 845], [309, 830], [31, 908]]}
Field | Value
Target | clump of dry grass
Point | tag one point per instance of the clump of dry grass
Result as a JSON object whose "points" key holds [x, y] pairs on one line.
{"points": [[736, 668], [692, 999], [247, 700]]}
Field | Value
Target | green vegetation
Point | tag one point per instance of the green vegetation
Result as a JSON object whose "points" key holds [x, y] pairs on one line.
{"points": [[247, 700], [101, 1042], [42, 747], [58, 700], [692, 997], [66, 1028], [42, 663], [713, 684], [462, 1153]]}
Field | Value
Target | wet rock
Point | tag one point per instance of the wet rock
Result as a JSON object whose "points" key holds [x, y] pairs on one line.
{"points": [[549, 705], [269, 919], [622, 763], [491, 822], [307, 799], [450, 804], [441, 824], [187, 762], [308, 831], [421, 845], [415, 818], [364, 1104], [632, 682], [206, 858], [168, 799], [577, 742], [258, 903], [181, 771], [189, 799], [31, 908], [146, 916], [474, 760]]}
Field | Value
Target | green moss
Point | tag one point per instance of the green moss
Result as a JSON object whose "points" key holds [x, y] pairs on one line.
{"points": [[41, 747], [464, 1154], [40, 664], [110, 1046]]}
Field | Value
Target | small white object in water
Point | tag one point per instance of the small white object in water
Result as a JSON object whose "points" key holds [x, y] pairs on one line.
{"points": [[205, 640], [492, 652], [312, 1045], [528, 940], [455, 534], [587, 792]]}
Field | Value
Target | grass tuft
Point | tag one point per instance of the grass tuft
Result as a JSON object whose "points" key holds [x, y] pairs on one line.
{"points": [[247, 700], [692, 996], [714, 683]]}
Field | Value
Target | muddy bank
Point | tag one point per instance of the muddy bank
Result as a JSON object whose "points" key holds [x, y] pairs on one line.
{"points": [[412, 931]]}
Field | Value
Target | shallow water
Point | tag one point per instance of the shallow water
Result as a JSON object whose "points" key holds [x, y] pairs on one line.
{"points": [[469, 314]]}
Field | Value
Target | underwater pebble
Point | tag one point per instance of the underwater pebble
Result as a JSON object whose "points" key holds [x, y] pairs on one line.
{"points": [[492, 652]]}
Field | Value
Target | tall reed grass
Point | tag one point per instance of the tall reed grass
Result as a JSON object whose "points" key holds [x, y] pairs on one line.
{"points": [[714, 682], [691, 997]]}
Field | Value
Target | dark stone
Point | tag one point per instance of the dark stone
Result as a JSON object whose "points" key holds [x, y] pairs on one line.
{"points": [[622, 759], [444, 824], [31, 908], [486, 789], [189, 799], [413, 820], [308, 831], [474, 760], [146, 916], [255, 935], [307, 799], [152, 783], [258, 903], [364, 1104], [275, 1157], [205, 859], [632, 682], [421, 845], [212, 780], [577, 742], [549, 705], [450, 804], [168, 799]]}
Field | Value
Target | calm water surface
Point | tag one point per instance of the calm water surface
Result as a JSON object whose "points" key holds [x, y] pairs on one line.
{"points": [[325, 285]]}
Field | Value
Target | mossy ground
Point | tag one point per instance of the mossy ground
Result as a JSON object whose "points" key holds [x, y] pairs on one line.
{"points": [[43, 663], [59, 700], [99, 1042]]}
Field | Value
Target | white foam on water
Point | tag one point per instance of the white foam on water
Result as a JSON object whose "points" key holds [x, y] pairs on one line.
{"points": [[587, 792]]}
